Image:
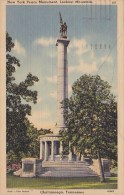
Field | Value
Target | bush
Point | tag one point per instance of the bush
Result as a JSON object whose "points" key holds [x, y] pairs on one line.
{"points": [[12, 168]]}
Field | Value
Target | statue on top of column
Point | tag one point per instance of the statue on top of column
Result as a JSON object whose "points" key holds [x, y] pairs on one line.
{"points": [[63, 27]]}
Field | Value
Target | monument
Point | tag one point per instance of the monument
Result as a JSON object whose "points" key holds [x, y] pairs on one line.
{"points": [[53, 162], [50, 146]]}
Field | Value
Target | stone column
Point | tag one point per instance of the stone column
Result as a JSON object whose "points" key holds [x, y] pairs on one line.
{"points": [[70, 154], [52, 150], [55, 148], [62, 79], [82, 157], [61, 150], [46, 151], [41, 150]]}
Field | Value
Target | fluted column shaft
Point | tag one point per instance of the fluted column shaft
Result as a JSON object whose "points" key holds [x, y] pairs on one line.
{"points": [[46, 151], [41, 150], [70, 153], [61, 150], [52, 150], [62, 79]]}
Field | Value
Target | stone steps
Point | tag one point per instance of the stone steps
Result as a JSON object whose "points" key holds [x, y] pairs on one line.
{"points": [[68, 174], [63, 164], [66, 169], [79, 172], [82, 169]]}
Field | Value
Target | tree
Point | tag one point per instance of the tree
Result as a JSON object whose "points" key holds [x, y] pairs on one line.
{"points": [[91, 119], [33, 135], [17, 109]]}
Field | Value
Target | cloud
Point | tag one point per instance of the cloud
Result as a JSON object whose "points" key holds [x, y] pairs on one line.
{"points": [[53, 95], [52, 53], [87, 68], [106, 59], [43, 114], [115, 91], [47, 125], [87, 61], [39, 99], [52, 79], [18, 48], [48, 44], [83, 67], [80, 49], [79, 45], [41, 119], [72, 69], [43, 41]]}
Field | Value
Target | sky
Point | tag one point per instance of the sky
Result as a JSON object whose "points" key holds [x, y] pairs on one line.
{"points": [[34, 29]]}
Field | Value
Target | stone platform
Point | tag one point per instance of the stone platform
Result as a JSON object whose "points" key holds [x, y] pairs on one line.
{"points": [[66, 169]]}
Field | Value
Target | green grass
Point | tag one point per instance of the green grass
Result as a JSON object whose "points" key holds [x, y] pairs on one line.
{"points": [[61, 183]]}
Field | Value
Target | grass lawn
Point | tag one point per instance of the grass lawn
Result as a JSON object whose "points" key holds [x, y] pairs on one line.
{"points": [[61, 183]]}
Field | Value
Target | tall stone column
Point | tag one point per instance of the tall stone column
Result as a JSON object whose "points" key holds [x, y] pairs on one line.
{"points": [[46, 151], [62, 79], [52, 150]]}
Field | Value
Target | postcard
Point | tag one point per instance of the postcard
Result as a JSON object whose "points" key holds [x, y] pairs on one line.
{"points": [[62, 97]]}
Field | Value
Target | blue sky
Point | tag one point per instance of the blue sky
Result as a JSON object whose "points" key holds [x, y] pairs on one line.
{"points": [[35, 29]]}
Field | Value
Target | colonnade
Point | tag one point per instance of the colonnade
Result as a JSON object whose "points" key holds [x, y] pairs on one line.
{"points": [[51, 149]]}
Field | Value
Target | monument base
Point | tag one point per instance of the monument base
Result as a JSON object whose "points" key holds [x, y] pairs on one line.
{"points": [[31, 167], [66, 169]]}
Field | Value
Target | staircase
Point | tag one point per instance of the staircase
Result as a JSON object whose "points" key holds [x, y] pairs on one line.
{"points": [[66, 169]]}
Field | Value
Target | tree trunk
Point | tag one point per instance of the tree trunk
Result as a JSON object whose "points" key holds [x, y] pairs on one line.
{"points": [[102, 177]]}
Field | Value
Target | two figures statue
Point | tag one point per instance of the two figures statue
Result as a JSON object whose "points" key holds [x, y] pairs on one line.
{"points": [[63, 27]]}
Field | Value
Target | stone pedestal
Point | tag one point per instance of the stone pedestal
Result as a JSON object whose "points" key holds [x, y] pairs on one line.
{"points": [[31, 167], [106, 167]]}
